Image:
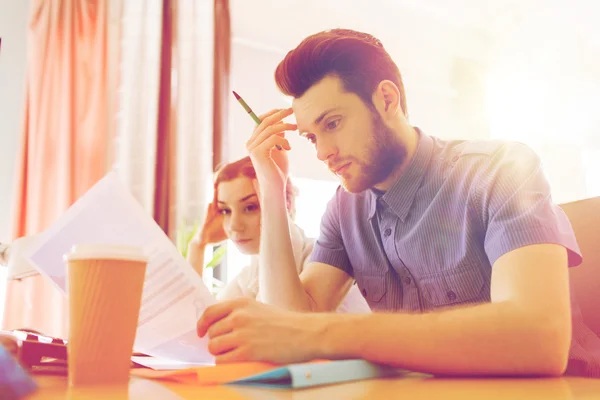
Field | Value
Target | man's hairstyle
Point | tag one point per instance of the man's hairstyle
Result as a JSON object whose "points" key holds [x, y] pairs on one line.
{"points": [[357, 58]]}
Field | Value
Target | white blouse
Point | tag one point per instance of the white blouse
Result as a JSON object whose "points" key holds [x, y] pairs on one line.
{"points": [[302, 246]]}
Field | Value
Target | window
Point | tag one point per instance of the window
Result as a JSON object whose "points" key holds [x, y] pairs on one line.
{"points": [[311, 203], [557, 121]]}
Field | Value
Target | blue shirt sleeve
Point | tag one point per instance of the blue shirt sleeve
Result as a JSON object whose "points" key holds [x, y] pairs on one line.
{"points": [[329, 247], [517, 205]]}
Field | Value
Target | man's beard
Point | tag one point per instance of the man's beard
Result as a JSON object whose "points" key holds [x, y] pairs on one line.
{"points": [[381, 159]]}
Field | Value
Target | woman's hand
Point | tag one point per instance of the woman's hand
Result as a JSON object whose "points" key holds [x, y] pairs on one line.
{"points": [[265, 146], [210, 233], [212, 230]]}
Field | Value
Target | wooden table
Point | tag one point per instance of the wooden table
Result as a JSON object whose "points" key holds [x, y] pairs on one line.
{"points": [[414, 387]]}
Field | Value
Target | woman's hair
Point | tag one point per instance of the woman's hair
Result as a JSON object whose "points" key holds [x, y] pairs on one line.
{"points": [[244, 167], [357, 58]]}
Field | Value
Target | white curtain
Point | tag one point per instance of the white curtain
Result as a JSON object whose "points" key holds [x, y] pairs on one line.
{"points": [[191, 104], [193, 92], [135, 141]]}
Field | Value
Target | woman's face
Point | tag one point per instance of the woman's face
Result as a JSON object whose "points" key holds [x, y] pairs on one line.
{"points": [[238, 202]]}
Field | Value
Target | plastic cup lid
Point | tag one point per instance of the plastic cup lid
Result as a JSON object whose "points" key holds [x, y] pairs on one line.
{"points": [[106, 252]]}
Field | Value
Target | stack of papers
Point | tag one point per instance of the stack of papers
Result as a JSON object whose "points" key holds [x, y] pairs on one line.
{"points": [[174, 296]]}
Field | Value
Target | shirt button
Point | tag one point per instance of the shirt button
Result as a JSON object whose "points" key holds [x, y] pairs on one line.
{"points": [[451, 295], [407, 280], [387, 232], [364, 292]]}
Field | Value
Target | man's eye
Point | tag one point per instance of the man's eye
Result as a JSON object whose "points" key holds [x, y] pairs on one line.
{"points": [[332, 124]]}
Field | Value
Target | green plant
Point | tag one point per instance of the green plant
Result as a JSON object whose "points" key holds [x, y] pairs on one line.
{"points": [[183, 237], [218, 255]]}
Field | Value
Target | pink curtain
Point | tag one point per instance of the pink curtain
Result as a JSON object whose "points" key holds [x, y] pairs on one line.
{"points": [[64, 138], [222, 69], [165, 131]]}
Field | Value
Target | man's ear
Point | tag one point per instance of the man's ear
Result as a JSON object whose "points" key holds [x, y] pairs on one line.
{"points": [[386, 99]]}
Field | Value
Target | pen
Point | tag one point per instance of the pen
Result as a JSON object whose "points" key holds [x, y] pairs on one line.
{"points": [[249, 111]]}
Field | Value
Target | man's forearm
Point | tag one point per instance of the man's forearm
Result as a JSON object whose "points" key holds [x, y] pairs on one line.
{"points": [[487, 339], [278, 276]]}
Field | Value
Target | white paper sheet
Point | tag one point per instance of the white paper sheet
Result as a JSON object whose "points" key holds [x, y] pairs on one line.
{"points": [[160, 364], [174, 295]]}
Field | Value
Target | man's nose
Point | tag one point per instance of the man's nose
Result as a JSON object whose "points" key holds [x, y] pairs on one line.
{"points": [[326, 149]]}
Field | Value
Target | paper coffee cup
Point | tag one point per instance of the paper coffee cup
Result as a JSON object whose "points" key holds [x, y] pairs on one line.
{"points": [[104, 288]]}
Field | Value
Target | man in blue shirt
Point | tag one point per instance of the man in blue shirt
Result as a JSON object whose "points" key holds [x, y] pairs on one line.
{"points": [[458, 242]]}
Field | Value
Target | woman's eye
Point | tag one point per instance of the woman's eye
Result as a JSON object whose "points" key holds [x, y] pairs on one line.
{"points": [[224, 211], [311, 138], [252, 207]]}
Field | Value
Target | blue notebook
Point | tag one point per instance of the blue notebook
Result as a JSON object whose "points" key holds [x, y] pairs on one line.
{"points": [[314, 374], [15, 383]]}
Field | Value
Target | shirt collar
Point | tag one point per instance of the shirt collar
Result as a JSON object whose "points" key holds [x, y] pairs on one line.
{"points": [[401, 195]]}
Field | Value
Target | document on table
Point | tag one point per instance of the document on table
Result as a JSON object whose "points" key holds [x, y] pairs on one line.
{"points": [[174, 295], [159, 364]]}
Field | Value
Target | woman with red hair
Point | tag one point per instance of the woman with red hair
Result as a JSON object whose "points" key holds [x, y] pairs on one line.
{"points": [[235, 214]]}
